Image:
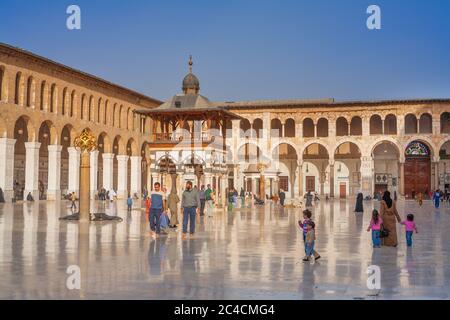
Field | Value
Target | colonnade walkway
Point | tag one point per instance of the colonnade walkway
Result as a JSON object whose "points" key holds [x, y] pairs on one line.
{"points": [[250, 253]]}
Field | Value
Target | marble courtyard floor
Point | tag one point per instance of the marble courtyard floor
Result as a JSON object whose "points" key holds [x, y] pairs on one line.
{"points": [[247, 254]]}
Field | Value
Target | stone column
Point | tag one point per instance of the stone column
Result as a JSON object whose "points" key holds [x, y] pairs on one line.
{"points": [[7, 167], [74, 170], [136, 182], [94, 170], [365, 126], [108, 168], [436, 175], [122, 176], [32, 169], [85, 175], [300, 179], [54, 172], [401, 178], [331, 162], [155, 178], [208, 179], [149, 176], [367, 178], [223, 187]]}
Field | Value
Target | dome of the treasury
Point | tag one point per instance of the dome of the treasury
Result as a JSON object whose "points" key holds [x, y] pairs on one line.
{"points": [[191, 85], [190, 81]]}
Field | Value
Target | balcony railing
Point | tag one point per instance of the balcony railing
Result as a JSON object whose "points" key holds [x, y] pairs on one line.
{"points": [[175, 137]]}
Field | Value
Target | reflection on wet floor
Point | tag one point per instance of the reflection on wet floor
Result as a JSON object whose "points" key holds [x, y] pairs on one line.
{"points": [[251, 253]]}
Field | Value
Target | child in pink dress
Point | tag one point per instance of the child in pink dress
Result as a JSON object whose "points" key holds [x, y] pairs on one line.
{"points": [[410, 227], [375, 226]]}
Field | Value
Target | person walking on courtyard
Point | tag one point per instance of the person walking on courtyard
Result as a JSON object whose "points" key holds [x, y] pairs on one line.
{"points": [[202, 197], [375, 225], [172, 202], [2, 196], [242, 196], [309, 199], [436, 199], [310, 240], [359, 203], [73, 199], [410, 227], [420, 198], [157, 206], [389, 215], [190, 201], [30, 197], [129, 203], [304, 227], [282, 196], [209, 194]]}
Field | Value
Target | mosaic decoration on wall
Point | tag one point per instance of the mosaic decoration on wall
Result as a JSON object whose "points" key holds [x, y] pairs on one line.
{"points": [[416, 148]]}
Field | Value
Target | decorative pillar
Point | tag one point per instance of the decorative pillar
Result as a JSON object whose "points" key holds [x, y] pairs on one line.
{"points": [[300, 179], [108, 171], [331, 162], [122, 175], [223, 187], [135, 184], [401, 178], [436, 174], [7, 167], [32, 169], [367, 178], [74, 170], [149, 176], [94, 170], [54, 172]]}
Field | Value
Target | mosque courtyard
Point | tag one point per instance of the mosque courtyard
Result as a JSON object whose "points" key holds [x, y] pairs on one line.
{"points": [[250, 253]]}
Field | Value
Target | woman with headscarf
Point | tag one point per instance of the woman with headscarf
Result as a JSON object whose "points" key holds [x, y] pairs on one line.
{"points": [[389, 214], [359, 203]]}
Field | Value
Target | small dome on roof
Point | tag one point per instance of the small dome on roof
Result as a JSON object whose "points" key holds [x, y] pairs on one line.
{"points": [[191, 85]]}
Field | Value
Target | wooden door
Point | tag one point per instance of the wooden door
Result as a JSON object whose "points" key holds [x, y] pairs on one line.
{"points": [[342, 190], [310, 183], [417, 177]]}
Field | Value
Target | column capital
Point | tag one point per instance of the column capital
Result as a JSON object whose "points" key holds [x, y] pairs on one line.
{"points": [[136, 158], [122, 157], [73, 150], [54, 148], [7, 141], [108, 156], [32, 145]]}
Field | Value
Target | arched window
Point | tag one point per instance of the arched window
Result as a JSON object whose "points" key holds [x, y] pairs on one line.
{"points": [[322, 128], [341, 127], [390, 124], [426, 123], [376, 124], [105, 122], [410, 124], [2, 75], [289, 128], [445, 122], [30, 92], [356, 126], [276, 128], [257, 127], [43, 98], [72, 103], [99, 110], [18, 91], [308, 128], [91, 109], [64, 102], [53, 98], [83, 106], [244, 127]]}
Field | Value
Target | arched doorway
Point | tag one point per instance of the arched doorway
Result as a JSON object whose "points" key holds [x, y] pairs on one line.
{"points": [[417, 169], [66, 138], [22, 135], [347, 170], [386, 167], [314, 173], [286, 157]]}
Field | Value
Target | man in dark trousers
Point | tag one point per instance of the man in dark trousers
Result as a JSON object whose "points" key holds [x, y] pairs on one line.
{"points": [[190, 202]]}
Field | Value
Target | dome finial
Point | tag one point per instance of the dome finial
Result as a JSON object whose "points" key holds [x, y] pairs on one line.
{"points": [[190, 63]]}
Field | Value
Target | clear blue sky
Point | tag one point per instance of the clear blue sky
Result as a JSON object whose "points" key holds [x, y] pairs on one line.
{"points": [[246, 49]]}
